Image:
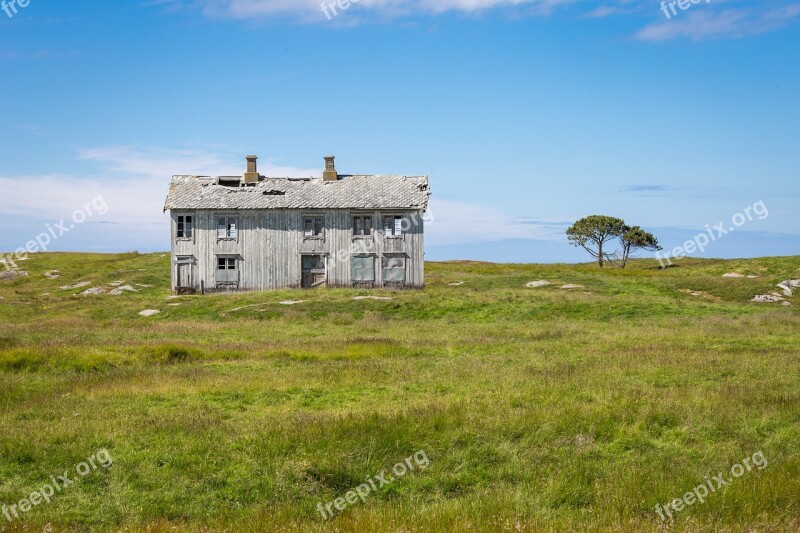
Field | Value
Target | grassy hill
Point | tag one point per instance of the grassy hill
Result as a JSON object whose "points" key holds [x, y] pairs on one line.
{"points": [[538, 408]]}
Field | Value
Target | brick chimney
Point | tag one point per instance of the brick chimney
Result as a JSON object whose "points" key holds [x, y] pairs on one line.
{"points": [[251, 175], [330, 169]]}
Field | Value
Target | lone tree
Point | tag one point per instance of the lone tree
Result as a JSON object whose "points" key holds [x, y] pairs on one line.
{"points": [[593, 232], [635, 238]]}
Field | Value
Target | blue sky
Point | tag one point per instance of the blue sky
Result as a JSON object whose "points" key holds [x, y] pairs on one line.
{"points": [[526, 115]]}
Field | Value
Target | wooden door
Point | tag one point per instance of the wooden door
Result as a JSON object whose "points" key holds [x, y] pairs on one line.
{"points": [[185, 275], [313, 272]]}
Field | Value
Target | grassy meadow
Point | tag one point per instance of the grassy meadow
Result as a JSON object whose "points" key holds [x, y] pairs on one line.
{"points": [[539, 409]]}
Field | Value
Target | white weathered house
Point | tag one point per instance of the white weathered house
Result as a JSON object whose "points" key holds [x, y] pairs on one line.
{"points": [[252, 232]]}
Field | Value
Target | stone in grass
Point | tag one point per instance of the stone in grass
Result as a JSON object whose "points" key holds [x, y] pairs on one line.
{"points": [[372, 298], [93, 291], [149, 312], [537, 284], [732, 275], [78, 285], [571, 287], [767, 298], [121, 289], [786, 304], [291, 302], [8, 275]]}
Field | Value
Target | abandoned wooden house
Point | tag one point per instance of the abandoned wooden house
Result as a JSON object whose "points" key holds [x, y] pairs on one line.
{"points": [[252, 232]]}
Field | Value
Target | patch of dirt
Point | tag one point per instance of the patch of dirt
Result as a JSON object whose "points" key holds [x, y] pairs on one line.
{"points": [[291, 302], [456, 284], [732, 275], [149, 312], [570, 287], [371, 298]]}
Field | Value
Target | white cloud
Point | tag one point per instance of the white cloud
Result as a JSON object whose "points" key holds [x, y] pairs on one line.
{"points": [[704, 23], [133, 181], [309, 10], [463, 223]]}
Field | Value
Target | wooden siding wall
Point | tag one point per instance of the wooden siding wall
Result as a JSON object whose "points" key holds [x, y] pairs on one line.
{"points": [[269, 245]]}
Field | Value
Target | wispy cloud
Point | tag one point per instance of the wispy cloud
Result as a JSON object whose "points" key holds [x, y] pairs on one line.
{"points": [[719, 19], [455, 222], [709, 23], [132, 179], [309, 10], [647, 188]]}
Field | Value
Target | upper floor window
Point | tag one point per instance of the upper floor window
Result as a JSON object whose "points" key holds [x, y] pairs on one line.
{"points": [[362, 226], [312, 226], [393, 225], [226, 227], [185, 226]]}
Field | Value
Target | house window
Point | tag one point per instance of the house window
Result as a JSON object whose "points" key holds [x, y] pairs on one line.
{"points": [[393, 270], [312, 227], [362, 226], [226, 227], [362, 269], [226, 263], [227, 270], [185, 226], [393, 225]]}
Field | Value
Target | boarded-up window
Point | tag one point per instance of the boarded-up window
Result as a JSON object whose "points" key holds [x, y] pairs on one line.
{"points": [[185, 226], [362, 226], [313, 226], [362, 268], [226, 227], [394, 269], [227, 270], [393, 225]]}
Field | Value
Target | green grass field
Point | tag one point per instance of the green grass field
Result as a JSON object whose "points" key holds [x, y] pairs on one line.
{"points": [[538, 409]]}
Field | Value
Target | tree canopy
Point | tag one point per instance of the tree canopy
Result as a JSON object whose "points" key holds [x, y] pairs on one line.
{"points": [[595, 232]]}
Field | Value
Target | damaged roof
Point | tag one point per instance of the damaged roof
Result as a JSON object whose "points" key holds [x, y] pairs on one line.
{"points": [[348, 192]]}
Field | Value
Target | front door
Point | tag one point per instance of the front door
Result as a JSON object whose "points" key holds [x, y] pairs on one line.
{"points": [[185, 276], [313, 271]]}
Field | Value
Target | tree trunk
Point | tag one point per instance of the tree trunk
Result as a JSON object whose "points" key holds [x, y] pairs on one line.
{"points": [[600, 255]]}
